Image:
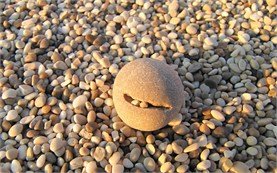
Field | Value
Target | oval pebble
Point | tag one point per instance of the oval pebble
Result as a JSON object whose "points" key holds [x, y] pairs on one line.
{"points": [[149, 164], [217, 115], [79, 101], [203, 165], [15, 130], [12, 115]]}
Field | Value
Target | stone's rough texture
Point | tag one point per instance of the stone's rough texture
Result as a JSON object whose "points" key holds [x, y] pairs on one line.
{"points": [[164, 93]]}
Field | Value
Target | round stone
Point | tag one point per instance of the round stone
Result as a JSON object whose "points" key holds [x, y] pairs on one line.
{"points": [[56, 144], [164, 94], [15, 130], [79, 101], [40, 100], [251, 140], [9, 93], [191, 29], [218, 115], [149, 164], [15, 166], [12, 154], [12, 115], [204, 165]]}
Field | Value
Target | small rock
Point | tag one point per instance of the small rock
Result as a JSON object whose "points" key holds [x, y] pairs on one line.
{"points": [[91, 167], [191, 147], [12, 115], [40, 100], [173, 8], [76, 163], [25, 89], [135, 154], [191, 29], [217, 115], [79, 101], [113, 160], [149, 164], [56, 144], [9, 94], [204, 165], [239, 167], [15, 166], [60, 65], [41, 161], [181, 157], [12, 154], [117, 168], [15, 130], [270, 141]]}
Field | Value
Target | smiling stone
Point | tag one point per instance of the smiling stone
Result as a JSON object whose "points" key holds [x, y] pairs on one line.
{"points": [[147, 94]]}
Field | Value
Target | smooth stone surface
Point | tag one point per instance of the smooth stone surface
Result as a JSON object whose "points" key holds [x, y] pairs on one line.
{"points": [[218, 115], [9, 94], [12, 115], [15, 130], [79, 101]]}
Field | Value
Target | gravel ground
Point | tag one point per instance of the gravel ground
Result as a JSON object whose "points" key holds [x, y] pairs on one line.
{"points": [[58, 61]]}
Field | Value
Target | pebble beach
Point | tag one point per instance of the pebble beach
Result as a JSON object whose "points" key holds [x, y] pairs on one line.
{"points": [[59, 60]]}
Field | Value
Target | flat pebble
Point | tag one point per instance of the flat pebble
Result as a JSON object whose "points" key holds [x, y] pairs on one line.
{"points": [[239, 167], [218, 115], [12, 115], [191, 147], [9, 94], [149, 164], [15, 130], [203, 165], [117, 168], [16, 166], [79, 101]]}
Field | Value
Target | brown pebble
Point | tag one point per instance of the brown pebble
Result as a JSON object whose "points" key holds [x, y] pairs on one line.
{"points": [[164, 106]]}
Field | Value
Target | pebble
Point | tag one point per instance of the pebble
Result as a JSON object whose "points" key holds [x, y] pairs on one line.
{"points": [[191, 29], [57, 70], [149, 164], [270, 141], [135, 153], [79, 101], [16, 166], [251, 140], [40, 101], [127, 163], [91, 166], [191, 147], [166, 167], [252, 151], [239, 167], [76, 163], [181, 157], [41, 161], [56, 144], [218, 115], [12, 115], [113, 160], [9, 94], [118, 39], [11, 153], [117, 168], [204, 165], [15, 130], [25, 89]]}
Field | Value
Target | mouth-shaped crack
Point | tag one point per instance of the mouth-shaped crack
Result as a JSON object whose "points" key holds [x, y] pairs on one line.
{"points": [[145, 104]]}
